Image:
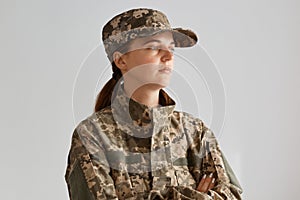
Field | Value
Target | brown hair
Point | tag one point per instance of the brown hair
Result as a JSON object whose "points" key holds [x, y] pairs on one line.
{"points": [[105, 96]]}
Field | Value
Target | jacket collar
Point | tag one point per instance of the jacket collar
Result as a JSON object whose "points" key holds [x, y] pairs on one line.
{"points": [[136, 118]]}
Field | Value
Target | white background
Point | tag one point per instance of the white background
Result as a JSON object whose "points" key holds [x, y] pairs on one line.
{"points": [[255, 45]]}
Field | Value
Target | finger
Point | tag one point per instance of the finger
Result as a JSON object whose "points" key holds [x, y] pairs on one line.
{"points": [[204, 185], [201, 182], [212, 184], [207, 183]]}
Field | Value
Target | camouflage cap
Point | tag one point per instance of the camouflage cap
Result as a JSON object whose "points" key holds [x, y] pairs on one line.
{"points": [[141, 22]]}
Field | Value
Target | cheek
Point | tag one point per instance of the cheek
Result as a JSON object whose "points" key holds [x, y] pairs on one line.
{"points": [[144, 59]]}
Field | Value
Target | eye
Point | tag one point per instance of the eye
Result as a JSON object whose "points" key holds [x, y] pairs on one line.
{"points": [[153, 48]]}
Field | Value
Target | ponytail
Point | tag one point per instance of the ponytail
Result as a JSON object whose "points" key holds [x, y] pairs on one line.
{"points": [[105, 96]]}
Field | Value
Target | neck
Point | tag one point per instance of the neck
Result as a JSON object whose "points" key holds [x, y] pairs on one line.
{"points": [[147, 94]]}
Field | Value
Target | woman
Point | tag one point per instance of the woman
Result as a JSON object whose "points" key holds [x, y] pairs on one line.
{"points": [[135, 145]]}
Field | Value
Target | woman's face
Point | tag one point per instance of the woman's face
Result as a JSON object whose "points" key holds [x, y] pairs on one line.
{"points": [[150, 60]]}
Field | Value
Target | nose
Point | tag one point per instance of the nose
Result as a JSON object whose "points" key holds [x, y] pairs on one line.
{"points": [[167, 55]]}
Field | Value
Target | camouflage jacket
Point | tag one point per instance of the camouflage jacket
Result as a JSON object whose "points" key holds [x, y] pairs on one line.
{"points": [[131, 151]]}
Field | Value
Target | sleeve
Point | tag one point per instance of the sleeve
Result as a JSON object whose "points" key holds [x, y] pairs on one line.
{"points": [[205, 157], [87, 173]]}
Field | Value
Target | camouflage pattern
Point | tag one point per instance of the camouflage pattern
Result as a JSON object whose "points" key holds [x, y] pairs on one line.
{"points": [[112, 158], [141, 22]]}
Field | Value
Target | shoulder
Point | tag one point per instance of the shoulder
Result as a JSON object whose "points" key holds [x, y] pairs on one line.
{"points": [[98, 129], [96, 120]]}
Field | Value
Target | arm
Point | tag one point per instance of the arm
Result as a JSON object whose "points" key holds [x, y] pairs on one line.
{"points": [[87, 174], [206, 157]]}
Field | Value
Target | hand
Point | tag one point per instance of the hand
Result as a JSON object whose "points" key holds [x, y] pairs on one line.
{"points": [[206, 183]]}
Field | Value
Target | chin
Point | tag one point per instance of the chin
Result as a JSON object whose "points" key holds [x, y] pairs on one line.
{"points": [[160, 85], [163, 82]]}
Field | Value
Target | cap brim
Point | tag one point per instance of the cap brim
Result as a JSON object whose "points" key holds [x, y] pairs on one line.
{"points": [[184, 37]]}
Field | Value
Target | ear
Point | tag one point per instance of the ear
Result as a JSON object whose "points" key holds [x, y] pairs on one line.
{"points": [[119, 60]]}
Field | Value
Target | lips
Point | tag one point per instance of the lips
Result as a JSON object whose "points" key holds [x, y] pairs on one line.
{"points": [[166, 70]]}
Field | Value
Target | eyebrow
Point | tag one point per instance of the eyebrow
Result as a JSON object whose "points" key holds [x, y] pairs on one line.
{"points": [[154, 40]]}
